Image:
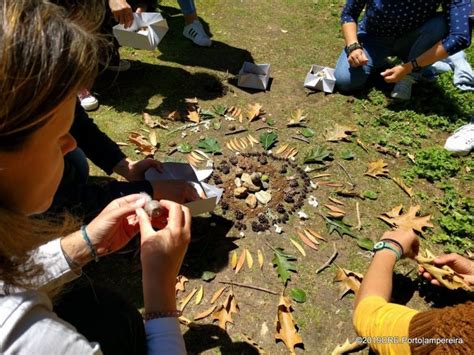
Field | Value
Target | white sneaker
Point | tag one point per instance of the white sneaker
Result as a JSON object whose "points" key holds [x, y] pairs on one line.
{"points": [[462, 140], [402, 89], [195, 32], [88, 101]]}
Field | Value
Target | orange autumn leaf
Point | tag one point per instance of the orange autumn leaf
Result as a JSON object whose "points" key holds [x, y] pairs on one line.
{"points": [[181, 283], [193, 116], [286, 330], [205, 314], [218, 293], [349, 281], [185, 301], [377, 168], [241, 261], [224, 312], [142, 144], [254, 111], [396, 219]]}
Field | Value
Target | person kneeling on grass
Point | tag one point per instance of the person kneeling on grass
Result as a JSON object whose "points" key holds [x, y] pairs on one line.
{"points": [[42, 65], [412, 30], [376, 318]]}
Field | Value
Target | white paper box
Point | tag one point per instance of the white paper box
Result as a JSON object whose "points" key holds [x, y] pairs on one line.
{"points": [[254, 76], [320, 78], [182, 171], [135, 37]]}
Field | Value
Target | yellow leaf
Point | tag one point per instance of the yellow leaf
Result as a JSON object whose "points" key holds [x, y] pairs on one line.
{"points": [[399, 182], [348, 347], [205, 313], [217, 294], [408, 220], [233, 261], [285, 328], [199, 296], [249, 259], [193, 116], [223, 314], [298, 246], [153, 138], [377, 168], [181, 283], [254, 111], [260, 259], [339, 133], [241, 262], [186, 300], [349, 281]]}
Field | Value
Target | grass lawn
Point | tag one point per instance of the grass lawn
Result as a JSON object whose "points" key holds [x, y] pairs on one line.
{"points": [[292, 35]]}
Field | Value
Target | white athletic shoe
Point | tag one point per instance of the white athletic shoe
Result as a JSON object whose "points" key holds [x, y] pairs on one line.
{"points": [[402, 89], [462, 140], [195, 32], [88, 101]]}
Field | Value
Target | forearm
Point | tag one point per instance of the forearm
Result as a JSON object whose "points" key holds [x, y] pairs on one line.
{"points": [[349, 31], [378, 279], [432, 55], [123, 167], [159, 293], [76, 250]]}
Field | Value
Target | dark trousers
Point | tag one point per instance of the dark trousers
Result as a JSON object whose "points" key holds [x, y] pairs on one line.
{"points": [[104, 317]]}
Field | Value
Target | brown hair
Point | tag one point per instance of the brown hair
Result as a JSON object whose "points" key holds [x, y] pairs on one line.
{"points": [[46, 55]]}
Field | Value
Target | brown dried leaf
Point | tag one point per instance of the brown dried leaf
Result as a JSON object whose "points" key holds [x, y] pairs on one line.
{"points": [[186, 300], [335, 210], [199, 296], [307, 241], [174, 116], [254, 112], [281, 149], [153, 138], [297, 118], [205, 313], [181, 283], [260, 259], [335, 200], [377, 168], [339, 133], [241, 261], [149, 121], [399, 182], [286, 330], [348, 347], [408, 220], [445, 275], [308, 235], [192, 161], [225, 311], [142, 144], [349, 281], [193, 116], [218, 293], [314, 233]]}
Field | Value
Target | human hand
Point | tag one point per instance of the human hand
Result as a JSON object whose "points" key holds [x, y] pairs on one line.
{"points": [[135, 170], [113, 228], [179, 191], [395, 74], [162, 253], [458, 263], [357, 58], [407, 239], [122, 12]]}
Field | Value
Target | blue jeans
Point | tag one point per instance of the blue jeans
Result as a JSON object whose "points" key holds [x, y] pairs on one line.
{"points": [[187, 6], [406, 47]]}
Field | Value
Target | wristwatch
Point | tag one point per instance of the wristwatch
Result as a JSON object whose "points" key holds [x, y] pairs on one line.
{"points": [[415, 66], [352, 47], [386, 245]]}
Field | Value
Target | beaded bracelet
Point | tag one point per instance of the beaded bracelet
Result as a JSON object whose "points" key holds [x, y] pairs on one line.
{"points": [[397, 243], [168, 314], [89, 243]]}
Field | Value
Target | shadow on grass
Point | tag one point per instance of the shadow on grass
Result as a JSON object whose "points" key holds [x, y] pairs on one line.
{"points": [[204, 337]]}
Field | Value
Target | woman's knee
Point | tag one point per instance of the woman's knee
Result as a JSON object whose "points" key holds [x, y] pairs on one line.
{"points": [[350, 80]]}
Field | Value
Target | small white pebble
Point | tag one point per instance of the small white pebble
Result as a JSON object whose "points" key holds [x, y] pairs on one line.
{"points": [[302, 215], [307, 169], [183, 134], [313, 185], [313, 201], [242, 234], [278, 229], [210, 163]]}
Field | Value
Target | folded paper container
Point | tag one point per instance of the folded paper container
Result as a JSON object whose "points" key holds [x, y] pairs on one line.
{"points": [[320, 78], [210, 195], [147, 30], [254, 76]]}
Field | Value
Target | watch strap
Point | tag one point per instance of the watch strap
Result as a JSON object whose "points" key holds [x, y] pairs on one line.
{"points": [[415, 66], [352, 47], [386, 245]]}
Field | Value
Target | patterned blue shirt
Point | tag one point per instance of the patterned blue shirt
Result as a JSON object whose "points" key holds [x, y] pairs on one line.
{"points": [[394, 18]]}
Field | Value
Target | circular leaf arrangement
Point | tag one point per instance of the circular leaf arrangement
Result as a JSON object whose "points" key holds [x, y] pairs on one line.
{"points": [[261, 189]]}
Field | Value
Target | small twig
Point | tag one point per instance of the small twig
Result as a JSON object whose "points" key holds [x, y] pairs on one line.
{"points": [[301, 139], [347, 173], [266, 127], [236, 132], [329, 261], [172, 151], [249, 286], [359, 142], [296, 124], [270, 246], [186, 126], [359, 223]]}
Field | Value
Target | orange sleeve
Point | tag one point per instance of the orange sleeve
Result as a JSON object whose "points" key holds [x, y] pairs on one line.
{"points": [[384, 325]]}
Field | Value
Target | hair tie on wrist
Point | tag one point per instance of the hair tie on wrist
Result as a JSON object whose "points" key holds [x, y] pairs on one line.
{"points": [[155, 315], [396, 243], [89, 243]]}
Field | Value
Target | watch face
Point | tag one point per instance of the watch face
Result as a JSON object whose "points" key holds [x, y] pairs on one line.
{"points": [[378, 245]]}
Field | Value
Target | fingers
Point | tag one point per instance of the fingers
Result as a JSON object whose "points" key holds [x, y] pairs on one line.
{"points": [[175, 214], [134, 201], [187, 222], [446, 259], [145, 225]]}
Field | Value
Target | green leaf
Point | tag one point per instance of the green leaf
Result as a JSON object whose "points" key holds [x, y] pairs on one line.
{"points": [[298, 295], [371, 195], [307, 132], [271, 122], [217, 125], [185, 148], [283, 262], [209, 145], [268, 139], [347, 155], [208, 276], [365, 243], [338, 226], [219, 110], [206, 114], [317, 155]]}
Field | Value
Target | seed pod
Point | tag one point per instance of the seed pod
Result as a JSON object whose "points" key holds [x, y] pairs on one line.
{"points": [[153, 208]]}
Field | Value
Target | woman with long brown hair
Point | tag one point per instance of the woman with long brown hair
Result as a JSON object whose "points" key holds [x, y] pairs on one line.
{"points": [[45, 58]]}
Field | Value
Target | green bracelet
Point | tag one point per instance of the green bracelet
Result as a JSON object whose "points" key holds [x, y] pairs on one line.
{"points": [[89, 243], [387, 245]]}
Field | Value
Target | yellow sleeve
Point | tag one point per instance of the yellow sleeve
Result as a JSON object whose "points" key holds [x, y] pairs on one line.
{"points": [[385, 325]]}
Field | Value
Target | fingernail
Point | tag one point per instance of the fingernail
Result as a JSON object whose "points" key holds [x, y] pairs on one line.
{"points": [[140, 202]]}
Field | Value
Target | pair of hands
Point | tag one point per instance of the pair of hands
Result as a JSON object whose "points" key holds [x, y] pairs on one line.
{"points": [[123, 12], [411, 244], [173, 190], [358, 58], [162, 251]]}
